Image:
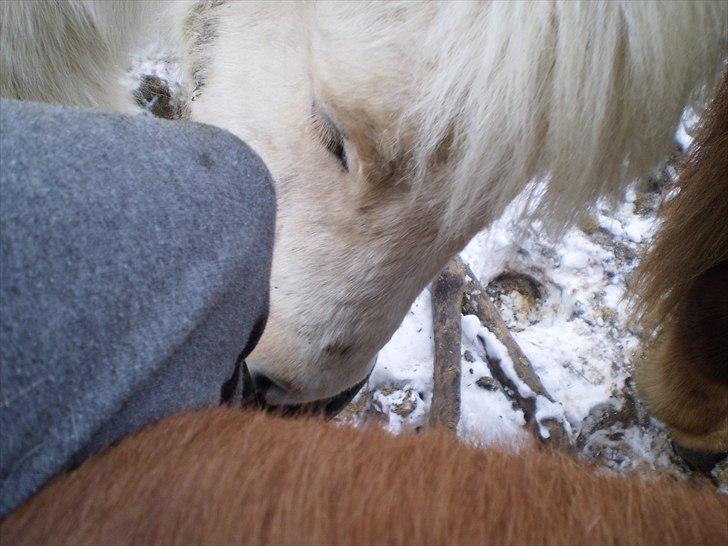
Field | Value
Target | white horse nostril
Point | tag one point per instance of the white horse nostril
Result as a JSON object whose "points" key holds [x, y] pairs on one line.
{"points": [[258, 390], [272, 392]]}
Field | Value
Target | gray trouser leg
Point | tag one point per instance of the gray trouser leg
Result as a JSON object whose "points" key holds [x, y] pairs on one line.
{"points": [[135, 261]]}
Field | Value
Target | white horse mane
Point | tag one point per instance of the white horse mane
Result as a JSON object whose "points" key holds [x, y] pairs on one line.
{"points": [[586, 94]]}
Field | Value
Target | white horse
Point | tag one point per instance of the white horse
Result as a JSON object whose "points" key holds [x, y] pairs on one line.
{"points": [[394, 131]]}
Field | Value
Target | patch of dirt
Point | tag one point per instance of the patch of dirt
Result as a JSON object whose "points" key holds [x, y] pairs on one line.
{"points": [[155, 96], [530, 289]]}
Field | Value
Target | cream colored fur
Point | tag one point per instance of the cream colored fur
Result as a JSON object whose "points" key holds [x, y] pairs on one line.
{"points": [[449, 109], [75, 52]]}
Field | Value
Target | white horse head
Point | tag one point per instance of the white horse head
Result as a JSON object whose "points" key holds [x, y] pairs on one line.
{"points": [[396, 131]]}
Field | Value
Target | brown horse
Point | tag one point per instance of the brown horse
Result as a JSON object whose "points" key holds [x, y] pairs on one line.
{"points": [[222, 476], [683, 291]]}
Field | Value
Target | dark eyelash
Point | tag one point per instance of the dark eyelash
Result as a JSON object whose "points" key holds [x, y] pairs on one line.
{"points": [[336, 147], [330, 136]]}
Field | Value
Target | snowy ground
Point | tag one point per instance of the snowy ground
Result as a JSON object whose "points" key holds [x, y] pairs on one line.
{"points": [[562, 301]]}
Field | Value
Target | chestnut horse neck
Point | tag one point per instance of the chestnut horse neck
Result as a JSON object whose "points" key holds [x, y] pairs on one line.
{"points": [[225, 477]]}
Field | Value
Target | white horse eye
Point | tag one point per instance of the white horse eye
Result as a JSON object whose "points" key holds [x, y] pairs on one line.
{"points": [[331, 136], [336, 147]]}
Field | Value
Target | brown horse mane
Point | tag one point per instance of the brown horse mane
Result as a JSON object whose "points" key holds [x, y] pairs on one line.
{"points": [[694, 235], [222, 476]]}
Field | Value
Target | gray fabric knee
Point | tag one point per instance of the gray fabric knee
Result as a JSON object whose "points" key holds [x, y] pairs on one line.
{"points": [[135, 259]]}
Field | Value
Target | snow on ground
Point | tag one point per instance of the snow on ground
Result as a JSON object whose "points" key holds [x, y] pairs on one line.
{"points": [[564, 303]]}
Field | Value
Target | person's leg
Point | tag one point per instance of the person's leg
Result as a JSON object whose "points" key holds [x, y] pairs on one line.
{"points": [[135, 261]]}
